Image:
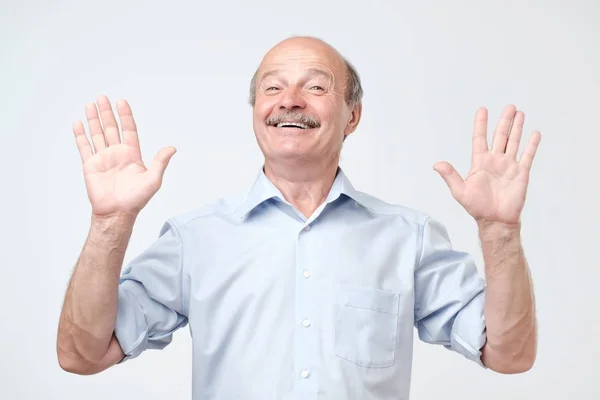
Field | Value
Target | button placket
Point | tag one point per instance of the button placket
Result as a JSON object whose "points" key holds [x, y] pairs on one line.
{"points": [[306, 342]]}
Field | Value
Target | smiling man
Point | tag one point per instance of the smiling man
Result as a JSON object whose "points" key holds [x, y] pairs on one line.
{"points": [[302, 287]]}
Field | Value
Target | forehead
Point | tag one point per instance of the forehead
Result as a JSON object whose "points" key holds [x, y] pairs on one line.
{"points": [[302, 57], [307, 73]]}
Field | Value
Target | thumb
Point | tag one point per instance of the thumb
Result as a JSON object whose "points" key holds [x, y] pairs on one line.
{"points": [[450, 176], [161, 161]]}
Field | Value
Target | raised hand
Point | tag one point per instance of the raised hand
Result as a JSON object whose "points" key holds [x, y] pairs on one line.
{"points": [[116, 179], [496, 186]]}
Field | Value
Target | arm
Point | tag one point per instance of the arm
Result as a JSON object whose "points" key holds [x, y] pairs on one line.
{"points": [[509, 308], [86, 343], [118, 186], [494, 195]]}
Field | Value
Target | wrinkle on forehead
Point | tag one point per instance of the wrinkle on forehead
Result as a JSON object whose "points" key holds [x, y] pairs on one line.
{"points": [[311, 52], [307, 73]]}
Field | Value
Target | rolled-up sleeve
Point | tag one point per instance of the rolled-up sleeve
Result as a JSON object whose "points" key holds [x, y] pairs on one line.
{"points": [[449, 295], [152, 296]]}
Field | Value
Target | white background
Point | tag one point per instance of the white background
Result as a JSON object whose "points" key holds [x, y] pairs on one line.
{"points": [[185, 68]]}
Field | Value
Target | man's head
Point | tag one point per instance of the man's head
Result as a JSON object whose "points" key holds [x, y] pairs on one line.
{"points": [[306, 99]]}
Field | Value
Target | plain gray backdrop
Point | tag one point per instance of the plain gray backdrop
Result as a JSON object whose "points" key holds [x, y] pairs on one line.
{"points": [[185, 68]]}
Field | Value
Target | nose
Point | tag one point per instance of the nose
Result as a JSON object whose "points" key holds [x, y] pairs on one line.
{"points": [[291, 99]]}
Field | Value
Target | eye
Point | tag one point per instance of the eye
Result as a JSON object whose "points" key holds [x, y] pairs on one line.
{"points": [[320, 88], [271, 88]]}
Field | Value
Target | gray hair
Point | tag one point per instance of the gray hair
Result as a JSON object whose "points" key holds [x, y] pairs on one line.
{"points": [[354, 90]]}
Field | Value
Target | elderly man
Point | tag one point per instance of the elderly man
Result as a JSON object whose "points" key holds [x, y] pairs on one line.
{"points": [[302, 287]]}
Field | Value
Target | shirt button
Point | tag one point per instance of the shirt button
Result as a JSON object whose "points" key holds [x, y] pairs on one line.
{"points": [[306, 323], [304, 374], [306, 273], [307, 228]]}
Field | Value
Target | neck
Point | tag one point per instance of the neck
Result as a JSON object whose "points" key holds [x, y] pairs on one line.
{"points": [[305, 187]]}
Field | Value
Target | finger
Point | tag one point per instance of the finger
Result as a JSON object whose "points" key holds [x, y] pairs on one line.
{"points": [[111, 129], [514, 137], [502, 129], [530, 150], [130, 135], [83, 144], [96, 131], [161, 161], [480, 132], [452, 178]]}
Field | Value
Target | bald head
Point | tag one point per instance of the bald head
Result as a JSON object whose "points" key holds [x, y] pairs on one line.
{"points": [[287, 48]]}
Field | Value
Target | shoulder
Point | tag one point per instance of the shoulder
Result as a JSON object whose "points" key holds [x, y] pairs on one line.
{"points": [[222, 208], [427, 228], [380, 207]]}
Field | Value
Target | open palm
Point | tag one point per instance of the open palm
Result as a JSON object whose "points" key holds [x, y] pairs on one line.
{"points": [[496, 186], [117, 181]]}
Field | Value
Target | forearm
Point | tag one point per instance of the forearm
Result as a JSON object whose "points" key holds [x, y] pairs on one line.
{"points": [[90, 309], [509, 306]]}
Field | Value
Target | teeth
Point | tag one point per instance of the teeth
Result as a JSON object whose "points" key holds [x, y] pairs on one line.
{"points": [[294, 124]]}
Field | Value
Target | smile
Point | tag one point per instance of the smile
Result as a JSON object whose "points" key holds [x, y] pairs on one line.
{"points": [[292, 125]]}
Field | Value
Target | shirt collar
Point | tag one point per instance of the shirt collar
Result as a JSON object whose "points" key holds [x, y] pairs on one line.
{"points": [[263, 190]]}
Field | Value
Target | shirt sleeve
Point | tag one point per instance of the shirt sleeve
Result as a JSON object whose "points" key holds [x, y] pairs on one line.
{"points": [[449, 295], [151, 296]]}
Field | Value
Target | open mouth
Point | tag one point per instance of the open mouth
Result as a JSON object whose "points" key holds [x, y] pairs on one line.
{"points": [[293, 120], [292, 125]]}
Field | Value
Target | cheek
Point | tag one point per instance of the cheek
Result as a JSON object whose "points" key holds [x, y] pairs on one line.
{"points": [[263, 108], [257, 115], [331, 116], [329, 109]]}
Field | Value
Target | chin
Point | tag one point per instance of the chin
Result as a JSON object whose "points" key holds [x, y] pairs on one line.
{"points": [[291, 154], [289, 144]]}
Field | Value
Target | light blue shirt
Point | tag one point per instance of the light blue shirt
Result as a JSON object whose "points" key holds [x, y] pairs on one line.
{"points": [[284, 307]]}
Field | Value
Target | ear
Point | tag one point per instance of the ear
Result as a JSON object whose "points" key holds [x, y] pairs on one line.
{"points": [[354, 119]]}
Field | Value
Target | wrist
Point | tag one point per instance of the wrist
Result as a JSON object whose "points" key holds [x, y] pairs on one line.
{"points": [[497, 228], [113, 227], [498, 236]]}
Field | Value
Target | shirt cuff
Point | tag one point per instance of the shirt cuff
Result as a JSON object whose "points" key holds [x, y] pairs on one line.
{"points": [[468, 331], [131, 328]]}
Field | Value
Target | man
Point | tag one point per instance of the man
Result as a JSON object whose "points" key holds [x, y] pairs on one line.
{"points": [[302, 287]]}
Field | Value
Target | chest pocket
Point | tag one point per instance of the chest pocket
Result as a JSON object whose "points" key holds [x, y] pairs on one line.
{"points": [[366, 324]]}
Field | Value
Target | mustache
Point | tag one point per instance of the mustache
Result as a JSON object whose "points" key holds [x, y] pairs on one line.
{"points": [[296, 117]]}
